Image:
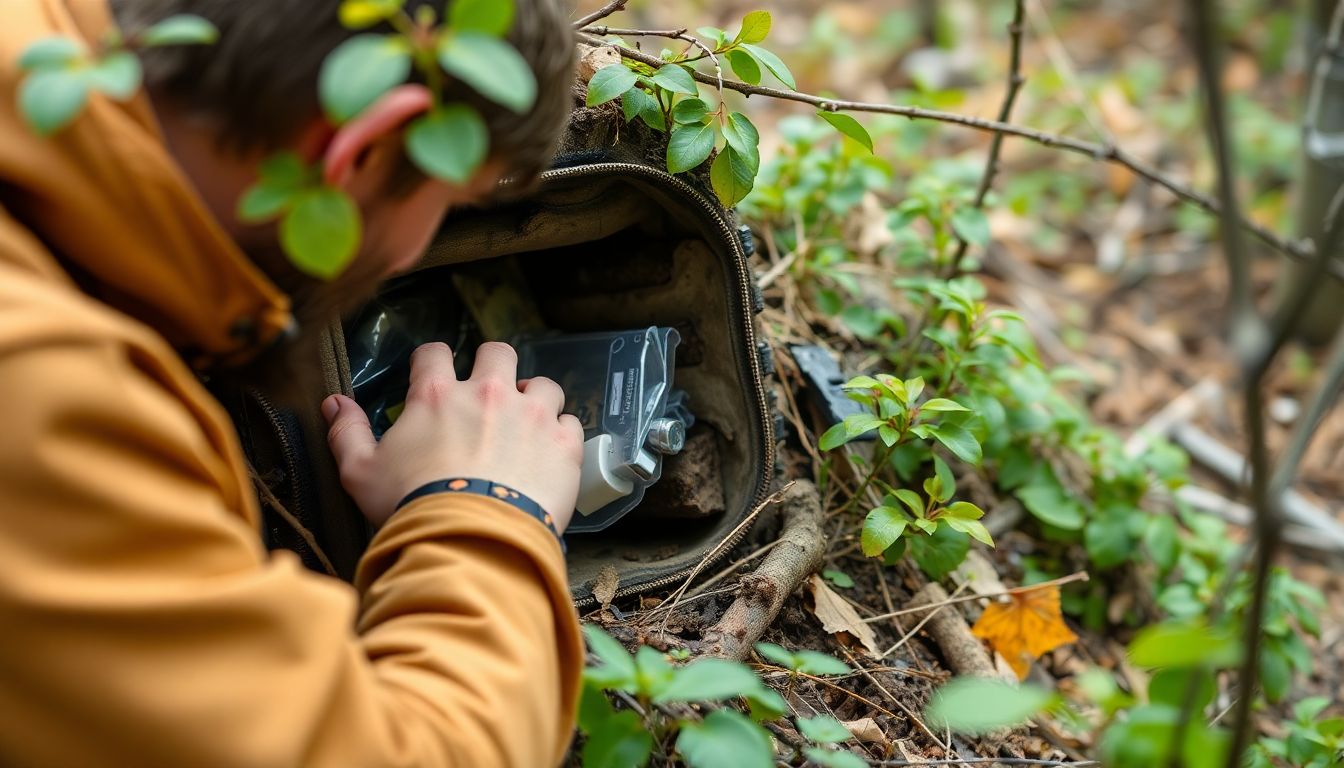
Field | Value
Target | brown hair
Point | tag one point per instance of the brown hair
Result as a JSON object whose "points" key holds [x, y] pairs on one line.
{"points": [[258, 82]]}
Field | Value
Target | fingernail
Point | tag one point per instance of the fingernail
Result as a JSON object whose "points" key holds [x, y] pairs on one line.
{"points": [[330, 407]]}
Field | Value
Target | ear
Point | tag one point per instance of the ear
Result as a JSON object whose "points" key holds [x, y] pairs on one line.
{"points": [[379, 120]]}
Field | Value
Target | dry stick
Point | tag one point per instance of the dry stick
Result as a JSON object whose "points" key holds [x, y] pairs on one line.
{"points": [[1079, 576], [601, 13], [946, 746], [675, 597], [675, 34], [274, 503], [920, 625], [1015, 81], [762, 593], [1253, 344], [1110, 153]]}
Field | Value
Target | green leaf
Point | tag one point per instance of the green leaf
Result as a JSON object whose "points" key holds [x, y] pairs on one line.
{"points": [[848, 126], [941, 405], [963, 510], [772, 63], [690, 111], [971, 225], [743, 137], [816, 663], [51, 52], [449, 143], [914, 388], [744, 66], [613, 654], [977, 705], [1159, 538], [947, 482], [117, 74], [1184, 644], [50, 98], [637, 103], [1169, 686], [621, 741], [675, 78], [725, 739], [889, 435], [731, 176], [262, 202], [911, 500], [1106, 537], [689, 146], [823, 729], [834, 437], [1276, 675], [320, 232], [777, 654], [834, 758], [708, 680], [654, 673], [608, 83], [959, 441], [594, 709], [838, 578], [359, 72], [182, 29], [973, 528], [881, 528], [489, 17], [755, 27], [939, 553], [361, 14], [492, 67], [1046, 500]]}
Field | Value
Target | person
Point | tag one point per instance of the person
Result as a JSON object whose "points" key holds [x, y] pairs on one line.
{"points": [[144, 623]]}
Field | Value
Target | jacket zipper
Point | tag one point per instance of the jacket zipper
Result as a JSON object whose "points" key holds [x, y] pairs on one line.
{"points": [[748, 328]]}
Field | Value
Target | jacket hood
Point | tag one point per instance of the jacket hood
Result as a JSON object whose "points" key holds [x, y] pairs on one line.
{"points": [[108, 202]]}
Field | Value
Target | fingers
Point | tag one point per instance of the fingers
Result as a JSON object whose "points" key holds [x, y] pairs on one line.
{"points": [[348, 433], [431, 370], [544, 391], [497, 361]]}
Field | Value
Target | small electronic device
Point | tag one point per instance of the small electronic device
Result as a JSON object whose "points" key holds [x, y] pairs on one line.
{"points": [[619, 385]]}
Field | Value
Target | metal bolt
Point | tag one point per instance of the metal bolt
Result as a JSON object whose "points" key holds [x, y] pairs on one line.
{"points": [[667, 436]]}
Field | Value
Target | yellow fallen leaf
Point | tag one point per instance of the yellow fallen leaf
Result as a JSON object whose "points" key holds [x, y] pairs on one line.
{"points": [[1024, 626]]}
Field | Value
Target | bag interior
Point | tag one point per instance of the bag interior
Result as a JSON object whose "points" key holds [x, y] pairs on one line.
{"points": [[609, 251]]}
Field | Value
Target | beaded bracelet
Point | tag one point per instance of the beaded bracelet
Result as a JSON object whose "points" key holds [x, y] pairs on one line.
{"points": [[478, 487]]}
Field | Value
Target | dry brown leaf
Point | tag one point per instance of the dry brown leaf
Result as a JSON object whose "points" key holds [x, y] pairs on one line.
{"points": [[604, 587], [1024, 626], [836, 615], [910, 752], [866, 730]]}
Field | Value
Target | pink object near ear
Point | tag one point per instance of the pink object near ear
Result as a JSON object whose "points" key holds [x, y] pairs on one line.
{"points": [[391, 110]]}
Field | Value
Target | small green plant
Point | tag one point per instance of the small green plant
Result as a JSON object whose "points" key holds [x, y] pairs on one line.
{"points": [[664, 692], [667, 98], [826, 734], [63, 72], [1311, 741]]}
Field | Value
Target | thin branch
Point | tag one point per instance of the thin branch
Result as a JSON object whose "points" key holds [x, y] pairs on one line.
{"points": [[1299, 249], [1079, 576], [601, 13], [1322, 400], [675, 34], [1254, 346], [1015, 81]]}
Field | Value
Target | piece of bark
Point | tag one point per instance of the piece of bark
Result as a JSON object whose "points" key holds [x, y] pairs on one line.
{"points": [[692, 482], [762, 593], [964, 652]]}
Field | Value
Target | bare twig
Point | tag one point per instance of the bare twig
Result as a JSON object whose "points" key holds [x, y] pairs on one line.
{"points": [[1300, 249], [1079, 576], [601, 13], [1015, 81], [675, 34], [1322, 400]]}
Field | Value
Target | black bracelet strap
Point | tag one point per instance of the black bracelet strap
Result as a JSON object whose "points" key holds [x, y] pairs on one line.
{"points": [[479, 487]]}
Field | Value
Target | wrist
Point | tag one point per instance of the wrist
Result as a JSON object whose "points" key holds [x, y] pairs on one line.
{"points": [[489, 489]]}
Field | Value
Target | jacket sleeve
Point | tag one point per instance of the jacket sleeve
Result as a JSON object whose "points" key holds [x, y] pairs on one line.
{"points": [[141, 621]]}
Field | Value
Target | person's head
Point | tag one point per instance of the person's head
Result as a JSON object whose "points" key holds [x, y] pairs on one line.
{"points": [[225, 107]]}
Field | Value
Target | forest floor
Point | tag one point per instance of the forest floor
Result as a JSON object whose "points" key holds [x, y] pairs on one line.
{"points": [[1115, 279]]}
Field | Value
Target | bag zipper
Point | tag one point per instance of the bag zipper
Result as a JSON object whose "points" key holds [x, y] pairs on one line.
{"points": [[747, 325]]}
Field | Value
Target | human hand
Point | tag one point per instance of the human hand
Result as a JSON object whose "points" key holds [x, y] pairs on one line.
{"points": [[490, 426]]}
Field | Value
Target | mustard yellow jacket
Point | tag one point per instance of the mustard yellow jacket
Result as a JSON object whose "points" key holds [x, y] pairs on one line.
{"points": [[141, 620]]}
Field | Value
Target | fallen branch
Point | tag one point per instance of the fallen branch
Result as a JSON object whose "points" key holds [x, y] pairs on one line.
{"points": [[762, 593], [964, 652], [1110, 153]]}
